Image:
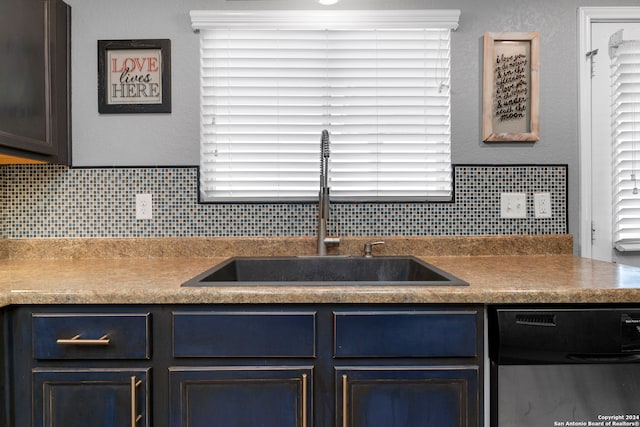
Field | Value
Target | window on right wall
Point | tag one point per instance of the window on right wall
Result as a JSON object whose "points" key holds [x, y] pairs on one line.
{"points": [[625, 122], [378, 81]]}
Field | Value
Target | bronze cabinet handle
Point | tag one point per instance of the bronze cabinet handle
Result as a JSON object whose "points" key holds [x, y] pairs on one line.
{"points": [[134, 410], [345, 401], [76, 340], [304, 400]]}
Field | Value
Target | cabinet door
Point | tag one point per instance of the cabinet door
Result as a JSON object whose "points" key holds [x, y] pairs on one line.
{"points": [[34, 97], [407, 396], [240, 396], [91, 398]]}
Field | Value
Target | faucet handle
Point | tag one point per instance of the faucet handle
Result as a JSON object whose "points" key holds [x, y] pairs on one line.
{"points": [[368, 247], [332, 241]]}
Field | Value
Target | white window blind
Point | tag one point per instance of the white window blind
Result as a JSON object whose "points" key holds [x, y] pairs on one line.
{"points": [[626, 144], [379, 82]]}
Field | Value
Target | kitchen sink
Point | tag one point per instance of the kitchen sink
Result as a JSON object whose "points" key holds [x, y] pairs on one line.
{"points": [[324, 270]]}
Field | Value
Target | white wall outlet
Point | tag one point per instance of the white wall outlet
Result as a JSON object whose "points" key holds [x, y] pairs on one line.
{"points": [[542, 205], [513, 205], [144, 206]]}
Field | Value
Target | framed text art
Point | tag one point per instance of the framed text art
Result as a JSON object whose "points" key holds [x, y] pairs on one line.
{"points": [[134, 76], [511, 87]]}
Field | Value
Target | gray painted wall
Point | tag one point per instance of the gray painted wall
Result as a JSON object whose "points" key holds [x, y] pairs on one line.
{"points": [[172, 139]]}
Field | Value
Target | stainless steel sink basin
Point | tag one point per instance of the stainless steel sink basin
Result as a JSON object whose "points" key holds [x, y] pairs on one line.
{"points": [[324, 270]]}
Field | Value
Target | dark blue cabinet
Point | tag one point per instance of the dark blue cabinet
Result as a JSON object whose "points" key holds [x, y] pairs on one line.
{"points": [[386, 396], [90, 398], [397, 368], [240, 396], [257, 368], [249, 365], [79, 366], [373, 367]]}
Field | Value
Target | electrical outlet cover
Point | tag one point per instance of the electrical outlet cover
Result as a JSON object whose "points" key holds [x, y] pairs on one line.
{"points": [[542, 205], [513, 205], [144, 206]]}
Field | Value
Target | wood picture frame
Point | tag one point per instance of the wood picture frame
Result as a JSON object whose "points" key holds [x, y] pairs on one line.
{"points": [[511, 87], [134, 76]]}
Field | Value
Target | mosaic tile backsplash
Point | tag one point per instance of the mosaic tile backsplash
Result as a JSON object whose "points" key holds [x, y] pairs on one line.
{"points": [[51, 201]]}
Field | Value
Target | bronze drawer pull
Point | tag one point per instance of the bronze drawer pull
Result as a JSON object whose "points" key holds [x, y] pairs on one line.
{"points": [[103, 340]]}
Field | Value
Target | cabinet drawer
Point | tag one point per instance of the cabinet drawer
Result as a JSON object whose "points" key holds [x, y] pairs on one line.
{"points": [[242, 334], [406, 334], [91, 336]]}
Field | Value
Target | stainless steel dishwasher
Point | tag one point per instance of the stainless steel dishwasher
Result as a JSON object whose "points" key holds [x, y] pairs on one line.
{"points": [[568, 366]]}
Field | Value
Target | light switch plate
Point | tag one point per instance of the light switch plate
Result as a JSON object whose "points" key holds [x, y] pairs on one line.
{"points": [[542, 205], [144, 206], [513, 205]]}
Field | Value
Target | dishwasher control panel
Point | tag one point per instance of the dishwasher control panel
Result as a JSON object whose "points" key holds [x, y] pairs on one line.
{"points": [[630, 331], [564, 335]]}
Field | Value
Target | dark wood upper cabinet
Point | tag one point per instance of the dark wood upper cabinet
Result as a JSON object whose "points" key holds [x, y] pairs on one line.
{"points": [[35, 105]]}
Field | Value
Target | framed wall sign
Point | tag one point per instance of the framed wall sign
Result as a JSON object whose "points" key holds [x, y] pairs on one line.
{"points": [[134, 76], [511, 87]]}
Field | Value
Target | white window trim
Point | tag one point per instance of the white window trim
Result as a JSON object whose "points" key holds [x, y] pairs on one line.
{"points": [[587, 16], [339, 19]]}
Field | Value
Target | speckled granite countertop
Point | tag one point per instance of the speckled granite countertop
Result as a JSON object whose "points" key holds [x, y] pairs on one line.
{"points": [[542, 271]]}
